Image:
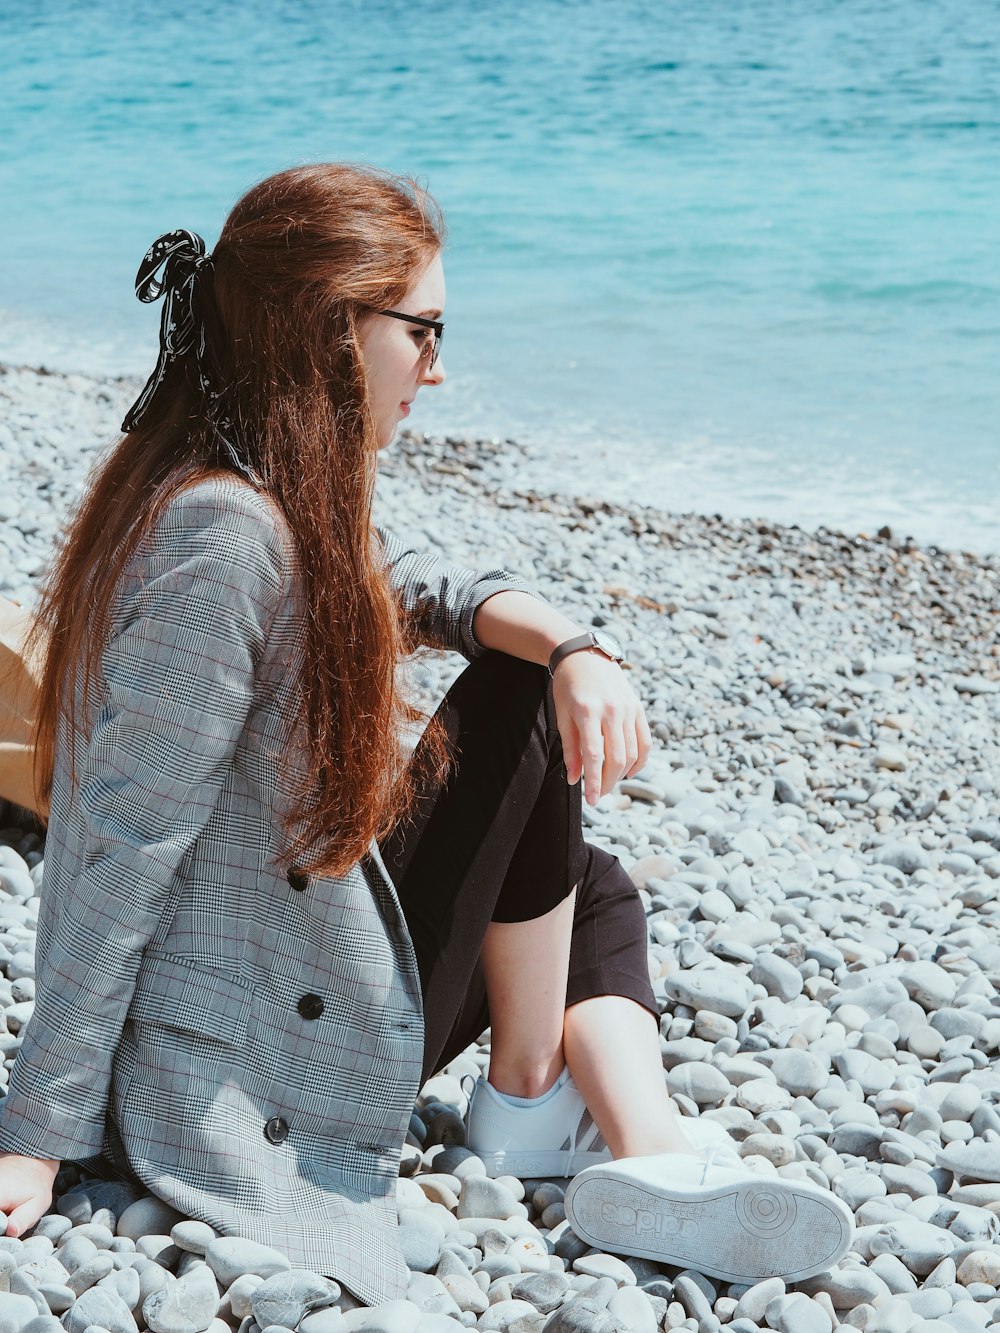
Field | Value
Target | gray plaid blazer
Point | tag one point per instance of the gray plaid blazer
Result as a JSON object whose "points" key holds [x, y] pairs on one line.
{"points": [[245, 1040]]}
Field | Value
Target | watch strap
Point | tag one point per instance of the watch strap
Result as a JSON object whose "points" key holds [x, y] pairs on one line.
{"points": [[575, 645]]}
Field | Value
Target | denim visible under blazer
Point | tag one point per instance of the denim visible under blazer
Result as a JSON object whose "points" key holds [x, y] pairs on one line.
{"points": [[243, 1038]]}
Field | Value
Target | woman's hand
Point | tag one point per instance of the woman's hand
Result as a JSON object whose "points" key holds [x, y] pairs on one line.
{"points": [[601, 722], [25, 1190]]}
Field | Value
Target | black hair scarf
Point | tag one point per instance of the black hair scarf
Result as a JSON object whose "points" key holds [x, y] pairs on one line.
{"points": [[175, 267]]}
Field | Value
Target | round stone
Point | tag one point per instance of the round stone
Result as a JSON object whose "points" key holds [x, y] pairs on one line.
{"points": [[192, 1236], [102, 1307], [187, 1305], [581, 1316], [285, 1298], [500, 1315], [17, 1311], [543, 1290], [421, 1246], [980, 1266], [395, 1316], [778, 976], [758, 1095], [231, 1256], [606, 1265], [147, 1217], [700, 1081], [801, 1073], [632, 1308], [483, 1197], [775, 1148]]}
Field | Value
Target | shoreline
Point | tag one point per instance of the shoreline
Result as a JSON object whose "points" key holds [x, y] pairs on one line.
{"points": [[549, 468], [815, 840]]}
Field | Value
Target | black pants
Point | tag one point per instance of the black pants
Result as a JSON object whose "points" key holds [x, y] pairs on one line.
{"points": [[502, 840]]}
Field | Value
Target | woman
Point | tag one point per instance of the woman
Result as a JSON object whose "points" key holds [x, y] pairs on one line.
{"points": [[261, 928]]}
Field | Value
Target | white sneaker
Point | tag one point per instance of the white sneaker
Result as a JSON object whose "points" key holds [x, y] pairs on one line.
{"points": [[711, 1215], [557, 1137]]}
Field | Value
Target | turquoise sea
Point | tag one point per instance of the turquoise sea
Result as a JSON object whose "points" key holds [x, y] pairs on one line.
{"points": [[732, 257]]}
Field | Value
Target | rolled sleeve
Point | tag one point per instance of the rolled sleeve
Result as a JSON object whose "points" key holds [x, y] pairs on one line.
{"points": [[441, 600], [179, 676]]}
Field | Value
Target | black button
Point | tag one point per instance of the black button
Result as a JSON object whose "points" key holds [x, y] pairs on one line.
{"points": [[298, 880], [276, 1129], [310, 1006]]}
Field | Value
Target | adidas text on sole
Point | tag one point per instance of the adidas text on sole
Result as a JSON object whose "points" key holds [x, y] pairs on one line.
{"points": [[738, 1228]]}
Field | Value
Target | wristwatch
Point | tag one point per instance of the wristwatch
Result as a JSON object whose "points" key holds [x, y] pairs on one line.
{"points": [[594, 638]]}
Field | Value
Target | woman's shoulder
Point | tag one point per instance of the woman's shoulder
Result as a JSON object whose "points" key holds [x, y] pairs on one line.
{"points": [[223, 531], [225, 508]]}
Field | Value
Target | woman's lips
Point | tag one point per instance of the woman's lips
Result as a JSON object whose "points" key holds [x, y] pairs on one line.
{"points": [[406, 409]]}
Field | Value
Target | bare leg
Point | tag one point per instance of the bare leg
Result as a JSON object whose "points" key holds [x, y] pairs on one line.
{"points": [[612, 1048], [526, 966]]}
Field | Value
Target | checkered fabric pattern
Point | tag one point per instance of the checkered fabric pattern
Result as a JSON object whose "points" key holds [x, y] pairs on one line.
{"points": [[244, 1039]]}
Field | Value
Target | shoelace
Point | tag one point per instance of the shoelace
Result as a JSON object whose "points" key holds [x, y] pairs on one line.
{"points": [[715, 1156]]}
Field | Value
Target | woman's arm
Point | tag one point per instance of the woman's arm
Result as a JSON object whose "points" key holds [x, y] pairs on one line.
{"points": [[441, 600], [601, 721]]}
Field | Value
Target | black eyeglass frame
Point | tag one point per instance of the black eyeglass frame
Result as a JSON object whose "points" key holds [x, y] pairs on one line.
{"points": [[434, 324]]}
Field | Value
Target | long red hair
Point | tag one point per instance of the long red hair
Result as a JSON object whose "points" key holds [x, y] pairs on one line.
{"points": [[301, 257]]}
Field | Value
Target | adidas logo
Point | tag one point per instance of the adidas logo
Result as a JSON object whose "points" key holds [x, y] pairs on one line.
{"points": [[646, 1222]]}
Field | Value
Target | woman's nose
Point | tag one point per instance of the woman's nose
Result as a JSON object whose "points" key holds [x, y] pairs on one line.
{"points": [[436, 374]]}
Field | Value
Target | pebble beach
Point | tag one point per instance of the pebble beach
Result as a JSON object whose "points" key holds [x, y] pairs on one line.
{"points": [[816, 841]]}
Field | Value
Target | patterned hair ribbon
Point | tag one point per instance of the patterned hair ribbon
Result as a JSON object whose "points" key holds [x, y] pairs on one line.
{"points": [[181, 257]]}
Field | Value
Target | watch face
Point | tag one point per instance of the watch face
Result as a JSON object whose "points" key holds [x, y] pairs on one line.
{"points": [[608, 643]]}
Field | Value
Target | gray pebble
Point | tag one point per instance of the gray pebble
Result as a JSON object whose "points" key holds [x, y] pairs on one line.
{"points": [[15, 1312], [483, 1197], [803, 1315], [22, 1285], [972, 1161], [606, 1265], [75, 1252], [53, 1225], [230, 1256], [56, 1296], [91, 1272], [149, 1216], [192, 1236], [127, 1283], [631, 1308], [286, 1298], [99, 1306], [920, 1245], [755, 1300], [581, 1316], [389, 1317], [159, 1248], [545, 1291], [421, 1246], [778, 976], [187, 1305]]}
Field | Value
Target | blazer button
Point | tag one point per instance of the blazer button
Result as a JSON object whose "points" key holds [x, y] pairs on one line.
{"points": [[298, 880], [310, 1006], [276, 1129]]}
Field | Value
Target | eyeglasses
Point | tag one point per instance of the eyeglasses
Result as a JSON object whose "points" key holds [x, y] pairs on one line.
{"points": [[434, 324]]}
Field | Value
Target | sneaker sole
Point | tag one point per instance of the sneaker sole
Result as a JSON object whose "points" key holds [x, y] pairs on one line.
{"points": [[742, 1233], [523, 1162]]}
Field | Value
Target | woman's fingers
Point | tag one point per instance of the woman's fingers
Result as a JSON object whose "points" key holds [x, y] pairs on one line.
{"points": [[615, 752], [645, 738], [569, 734], [593, 759], [25, 1190], [24, 1217], [603, 729]]}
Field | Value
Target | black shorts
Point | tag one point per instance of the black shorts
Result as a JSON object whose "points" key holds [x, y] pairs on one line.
{"points": [[502, 840]]}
